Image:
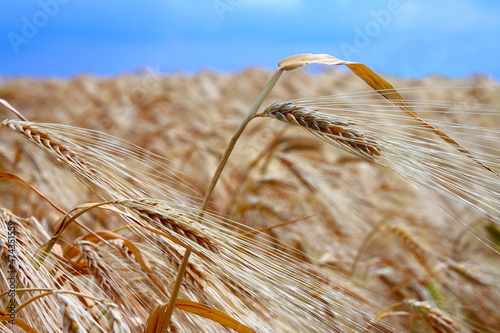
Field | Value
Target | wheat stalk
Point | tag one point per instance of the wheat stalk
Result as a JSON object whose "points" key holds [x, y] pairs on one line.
{"points": [[194, 273]]}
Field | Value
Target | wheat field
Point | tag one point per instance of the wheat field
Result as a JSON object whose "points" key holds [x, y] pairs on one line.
{"points": [[375, 223]]}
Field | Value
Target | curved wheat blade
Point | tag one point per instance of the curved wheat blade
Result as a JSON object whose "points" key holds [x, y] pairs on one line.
{"points": [[212, 314]]}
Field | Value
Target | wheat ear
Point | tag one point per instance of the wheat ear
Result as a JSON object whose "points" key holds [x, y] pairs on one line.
{"points": [[382, 87], [98, 268], [329, 127], [71, 322], [469, 273], [44, 139], [163, 216], [116, 324], [414, 245], [433, 316]]}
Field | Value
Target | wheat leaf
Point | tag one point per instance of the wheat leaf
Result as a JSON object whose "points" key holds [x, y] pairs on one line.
{"points": [[212, 314]]}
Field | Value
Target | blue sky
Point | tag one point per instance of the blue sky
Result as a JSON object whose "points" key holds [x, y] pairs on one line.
{"points": [[409, 38]]}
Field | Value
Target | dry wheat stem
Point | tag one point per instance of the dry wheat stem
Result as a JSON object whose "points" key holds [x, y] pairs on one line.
{"points": [[250, 115], [11, 108], [244, 175], [194, 273], [8, 175]]}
